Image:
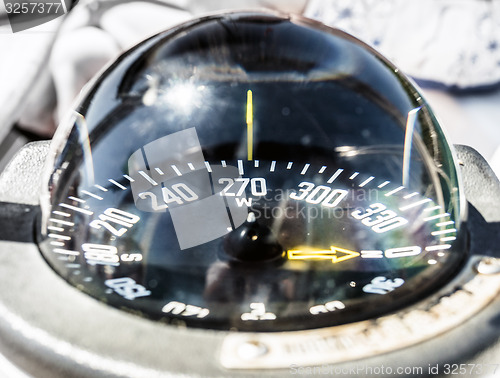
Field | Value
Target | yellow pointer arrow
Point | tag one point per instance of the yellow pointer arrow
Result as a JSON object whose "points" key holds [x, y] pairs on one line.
{"points": [[335, 254]]}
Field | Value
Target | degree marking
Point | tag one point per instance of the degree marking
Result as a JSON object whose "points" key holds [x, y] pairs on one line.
{"points": [[442, 232], [448, 238], [54, 228], [77, 209], [60, 237], [415, 204], [130, 178], [65, 252], [445, 223], [408, 196], [273, 166], [240, 167], [176, 170], [354, 175], [76, 199], [92, 195], [394, 191], [335, 175], [63, 214], [366, 181], [143, 174], [101, 188], [304, 170], [60, 221], [62, 258], [209, 168], [436, 217]]}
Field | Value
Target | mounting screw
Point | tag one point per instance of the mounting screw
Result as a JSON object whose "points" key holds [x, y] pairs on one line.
{"points": [[250, 350], [488, 265]]}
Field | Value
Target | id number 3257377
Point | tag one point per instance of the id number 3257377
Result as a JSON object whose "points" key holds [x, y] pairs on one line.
{"points": [[469, 370], [35, 7]]}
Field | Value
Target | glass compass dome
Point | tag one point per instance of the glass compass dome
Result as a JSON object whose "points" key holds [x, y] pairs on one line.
{"points": [[253, 172]]}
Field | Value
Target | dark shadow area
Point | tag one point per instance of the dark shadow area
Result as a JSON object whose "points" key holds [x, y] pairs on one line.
{"points": [[484, 237], [17, 222]]}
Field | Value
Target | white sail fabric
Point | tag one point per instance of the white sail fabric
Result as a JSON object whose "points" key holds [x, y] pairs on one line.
{"points": [[452, 42]]}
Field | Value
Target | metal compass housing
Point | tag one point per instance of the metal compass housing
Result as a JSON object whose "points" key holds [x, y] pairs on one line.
{"points": [[253, 172]]}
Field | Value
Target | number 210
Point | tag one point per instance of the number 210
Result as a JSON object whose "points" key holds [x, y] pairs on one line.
{"points": [[116, 216]]}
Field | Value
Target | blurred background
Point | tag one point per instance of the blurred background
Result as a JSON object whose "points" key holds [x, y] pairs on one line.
{"points": [[451, 48]]}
